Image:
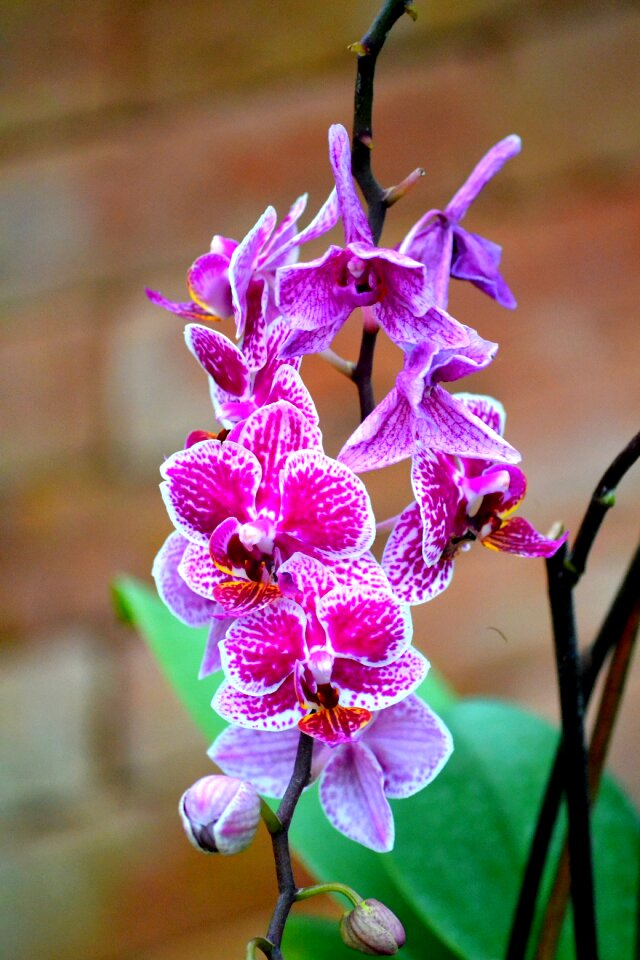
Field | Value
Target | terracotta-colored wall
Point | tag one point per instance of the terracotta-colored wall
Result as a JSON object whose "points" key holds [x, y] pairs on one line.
{"points": [[131, 133]]}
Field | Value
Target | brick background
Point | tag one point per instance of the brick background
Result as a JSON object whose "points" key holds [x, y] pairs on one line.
{"points": [[129, 134]]}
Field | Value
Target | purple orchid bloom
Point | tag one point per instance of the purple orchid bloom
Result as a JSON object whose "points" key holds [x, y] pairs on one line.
{"points": [[418, 413], [324, 657], [249, 501], [447, 249], [391, 287], [236, 390], [459, 501], [237, 279], [396, 755]]}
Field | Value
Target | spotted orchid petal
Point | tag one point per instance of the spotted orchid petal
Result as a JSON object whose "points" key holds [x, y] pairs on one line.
{"points": [[254, 343], [211, 661], [446, 425], [411, 579], [220, 358], [189, 310], [285, 252], [305, 580], [188, 606], [335, 726], [208, 284], [386, 436], [519, 537], [309, 294], [288, 385], [264, 759], [200, 572], [375, 688], [484, 171], [352, 797], [271, 251], [279, 710], [411, 744], [261, 649], [363, 571], [273, 433], [207, 483], [325, 507], [356, 225], [243, 263], [433, 478], [487, 409], [368, 626]]}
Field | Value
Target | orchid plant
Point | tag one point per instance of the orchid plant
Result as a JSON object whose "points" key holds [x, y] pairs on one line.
{"points": [[306, 634]]}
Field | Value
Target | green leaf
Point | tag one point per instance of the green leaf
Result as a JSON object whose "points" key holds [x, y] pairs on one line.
{"points": [[310, 937], [177, 648], [461, 844]]}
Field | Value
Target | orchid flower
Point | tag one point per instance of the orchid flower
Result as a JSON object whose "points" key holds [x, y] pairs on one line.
{"points": [[396, 755], [237, 390], [419, 414], [459, 501], [447, 249], [324, 657], [248, 502], [391, 287], [237, 279]]}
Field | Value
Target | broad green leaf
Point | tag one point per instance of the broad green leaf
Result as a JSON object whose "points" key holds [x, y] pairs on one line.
{"points": [[461, 844], [177, 648]]}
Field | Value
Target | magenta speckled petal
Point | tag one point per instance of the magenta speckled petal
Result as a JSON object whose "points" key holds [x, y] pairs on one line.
{"points": [[363, 571], [446, 425], [211, 661], [325, 507], [309, 294], [279, 710], [433, 477], [243, 264], [189, 310], [326, 218], [271, 253], [208, 284], [412, 580], [288, 385], [517, 489], [264, 759], [352, 797], [385, 437], [519, 537], [187, 606], [411, 744], [375, 688], [261, 649], [200, 572], [305, 579], [368, 626], [301, 343], [219, 357], [273, 433], [208, 483], [354, 220], [487, 409], [254, 338], [484, 171]]}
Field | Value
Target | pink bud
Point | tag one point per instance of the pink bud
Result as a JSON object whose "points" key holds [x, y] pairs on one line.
{"points": [[220, 814], [373, 929]]}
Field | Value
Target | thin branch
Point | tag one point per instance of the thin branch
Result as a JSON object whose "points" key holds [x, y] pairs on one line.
{"points": [[602, 500], [608, 711], [611, 630]]}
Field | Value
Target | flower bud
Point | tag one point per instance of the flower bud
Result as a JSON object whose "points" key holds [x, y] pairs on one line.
{"points": [[220, 814], [372, 928]]}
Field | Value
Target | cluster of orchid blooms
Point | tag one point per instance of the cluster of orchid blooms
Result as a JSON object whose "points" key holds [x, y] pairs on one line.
{"points": [[272, 541]]}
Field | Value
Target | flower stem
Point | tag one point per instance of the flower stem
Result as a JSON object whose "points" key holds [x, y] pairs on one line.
{"points": [[351, 895]]}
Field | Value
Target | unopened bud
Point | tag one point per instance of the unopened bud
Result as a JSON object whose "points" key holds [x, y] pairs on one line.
{"points": [[372, 928], [220, 814]]}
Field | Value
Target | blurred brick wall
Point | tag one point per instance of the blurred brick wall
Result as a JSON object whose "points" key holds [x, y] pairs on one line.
{"points": [[131, 133]]}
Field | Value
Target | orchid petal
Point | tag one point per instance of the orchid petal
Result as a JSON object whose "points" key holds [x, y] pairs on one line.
{"points": [[271, 253], [352, 796], [243, 263], [301, 343], [324, 220], [220, 358], [412, 580], [309, 293], [517, 536], [288, 385], [375, 688], [476, 260], [254, 326], [356, 225], [385, 437], [430, 241], [490, 164], [211, 661], [208, 284], [446, 425], [368, 626], [433, 478], [336, 725], [363, 571], [261, 649], [305, 579], [189, 310], [185, 604], [485, 408], [200, 572], [279, 710], [411, 744], [325, 506], [206, 484], [455, 363]]}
